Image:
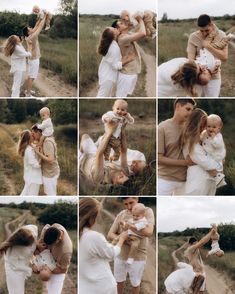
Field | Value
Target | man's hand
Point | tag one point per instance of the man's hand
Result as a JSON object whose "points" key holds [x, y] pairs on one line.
{"points": [[189, 161], [35, 269], [41, 246]]}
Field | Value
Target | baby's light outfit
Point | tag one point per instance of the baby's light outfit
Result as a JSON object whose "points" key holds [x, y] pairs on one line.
{"points": [[44, 258], [47, 127]]}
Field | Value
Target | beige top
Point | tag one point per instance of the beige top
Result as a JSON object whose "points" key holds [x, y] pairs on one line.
{"points": [[49, 147], [194, 257], [33, 38], [169, 146], [128, 47], [125, 216], [195, 44], [61, 251]]}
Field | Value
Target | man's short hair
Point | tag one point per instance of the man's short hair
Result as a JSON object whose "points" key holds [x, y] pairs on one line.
{"points": [[183, 101], [192, 240], [25, 31], [115, 24], [203, 20], [51, 235], [124, 198], [35, 129]]}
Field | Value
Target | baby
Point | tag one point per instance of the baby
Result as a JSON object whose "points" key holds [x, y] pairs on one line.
{"points": [[213, 144], [139, 222], [40, 15], [46, 126], [148, 17], [215, 249], [119, 115], [44, 263]]}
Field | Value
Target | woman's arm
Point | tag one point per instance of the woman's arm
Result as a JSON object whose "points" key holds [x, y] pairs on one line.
{"points": [[123, 155], [21, 52], [31, 158]]}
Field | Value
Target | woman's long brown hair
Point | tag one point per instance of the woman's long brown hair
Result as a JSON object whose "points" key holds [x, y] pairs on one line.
{"points": [[106, 39], [10, 45], [21, 237], [88, 211], [187, 77], [23, 142]]}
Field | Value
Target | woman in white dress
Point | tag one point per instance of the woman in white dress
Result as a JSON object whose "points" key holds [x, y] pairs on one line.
{"points": [[201, 176], [180, 77], [95, 252], [32, 166], [111, 62], [18, 250]]}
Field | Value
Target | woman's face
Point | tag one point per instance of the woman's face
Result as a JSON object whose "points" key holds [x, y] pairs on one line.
{"points": [[115, 32], [203, 123], [17, 38]]}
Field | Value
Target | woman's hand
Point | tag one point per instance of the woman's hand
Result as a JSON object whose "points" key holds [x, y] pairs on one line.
{"points": [[111, 127], [35, 269]]}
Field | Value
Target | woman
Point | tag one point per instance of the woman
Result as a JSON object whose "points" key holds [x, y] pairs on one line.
{"points": [[95, 252], [32, 167], [18, 55], [111, 62], [201, 176], [18, 250], [180, 77]]}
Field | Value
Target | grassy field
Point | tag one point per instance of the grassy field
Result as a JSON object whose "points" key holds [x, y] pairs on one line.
{"points": [[176, 34], [11, 165], [90, 29], [140, 136]]}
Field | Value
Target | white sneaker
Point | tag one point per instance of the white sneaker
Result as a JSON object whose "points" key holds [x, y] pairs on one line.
{"points": [[130, 260], [47, 27]]}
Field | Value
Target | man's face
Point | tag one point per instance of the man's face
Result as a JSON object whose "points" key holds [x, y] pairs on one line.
{"points": [[184, 111], [120, 178], [205, 31], [36, 135], [122, 26], [130, 202]]}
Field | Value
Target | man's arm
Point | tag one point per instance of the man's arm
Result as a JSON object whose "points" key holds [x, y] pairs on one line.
{"points": [[220, 54], [146, 232], [39, 28], [59, 270], [141, 33], [204, 240], [174, 162]]}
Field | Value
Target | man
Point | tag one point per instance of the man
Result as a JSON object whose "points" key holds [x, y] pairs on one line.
{"points": [[192, 253], [127, 76], [172, 166], [56, 239], [208, 36], [136, 269], [50, 166], [31, 35]]}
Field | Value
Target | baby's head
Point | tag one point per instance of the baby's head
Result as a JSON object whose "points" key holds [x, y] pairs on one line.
{"points": [[44, 112], [219, 253], [204, 77], [36, 9], [138, 211], [120, 107], [45, 273], [125, 15], [214, 124]]}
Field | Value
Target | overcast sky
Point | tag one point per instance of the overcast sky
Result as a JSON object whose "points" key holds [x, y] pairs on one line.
{"points": [[25, 6], [178, 213], [115, 6], [40, 199], [193, 8]]}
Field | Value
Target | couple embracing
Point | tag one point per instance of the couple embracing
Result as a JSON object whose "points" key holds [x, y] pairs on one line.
{"points": [[191, 151]]}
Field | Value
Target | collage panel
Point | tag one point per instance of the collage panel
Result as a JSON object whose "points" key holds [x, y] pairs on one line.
{"points": [[38, 245], [117, 147], [195, 147], [38, 48], [196, 245], [196, 49], [38, 152], [117, 245], [117, 48]]}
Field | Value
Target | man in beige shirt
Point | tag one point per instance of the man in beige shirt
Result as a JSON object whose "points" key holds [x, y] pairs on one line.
{"points": [[127, 76], [136, 269], [172, 166], [50, 165], [31, 35], [57, 240], [209, 37]]}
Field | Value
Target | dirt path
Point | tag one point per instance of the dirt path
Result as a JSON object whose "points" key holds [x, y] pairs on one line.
{"points": [[48, 84], [217, 283]]}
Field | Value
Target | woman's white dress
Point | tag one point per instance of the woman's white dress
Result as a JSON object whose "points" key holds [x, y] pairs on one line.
{"points": [[95, 253], [198, 181]]}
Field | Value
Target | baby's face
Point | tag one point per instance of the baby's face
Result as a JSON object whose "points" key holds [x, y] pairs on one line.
{"points": [[213, 126], [136, 214], [35, 10], [125, 15], [44, 115], [120, 108], [204, 77], [220, 253]]}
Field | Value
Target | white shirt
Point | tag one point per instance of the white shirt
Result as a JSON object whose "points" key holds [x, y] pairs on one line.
{"points": [[119, 119], [32, 167], [47, 127], [180, 280], [110, 64], [95, 253], [17, 258], [139, 225], [166, 86], [18, 59]]}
